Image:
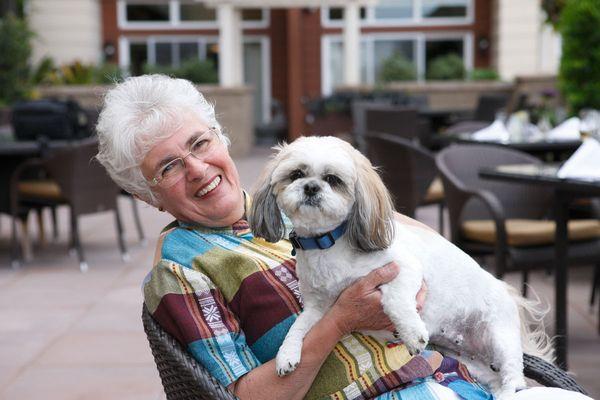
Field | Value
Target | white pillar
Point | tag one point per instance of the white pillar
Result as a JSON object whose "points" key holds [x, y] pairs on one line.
{"points": [[230, 57], [352, 43], [517, 33]]}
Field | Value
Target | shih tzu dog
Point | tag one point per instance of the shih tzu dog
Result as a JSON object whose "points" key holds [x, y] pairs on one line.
{"points": [[344, 227]]}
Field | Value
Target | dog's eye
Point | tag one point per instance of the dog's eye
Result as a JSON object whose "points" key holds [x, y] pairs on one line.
{"points": [[332, 180], [296, 174]]}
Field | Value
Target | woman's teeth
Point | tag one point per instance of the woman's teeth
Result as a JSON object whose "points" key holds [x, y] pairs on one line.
{"points": [[211, 186]]}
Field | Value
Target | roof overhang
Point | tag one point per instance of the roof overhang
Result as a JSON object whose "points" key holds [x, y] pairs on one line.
{"points": [[286, 3]]}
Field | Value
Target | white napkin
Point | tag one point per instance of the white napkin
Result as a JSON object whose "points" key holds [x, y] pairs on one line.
{"points": [[496, 132], [568, 130], [584, 163]]}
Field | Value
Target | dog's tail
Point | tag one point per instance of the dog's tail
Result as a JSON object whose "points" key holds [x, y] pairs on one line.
{"points": [[534, 339]]}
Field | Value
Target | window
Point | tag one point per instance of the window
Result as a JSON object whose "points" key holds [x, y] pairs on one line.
{"points": [[444, 8], [406, 12], [179, 14], [394, 9], [384, 49], [417, 48], [196, 12], [148, 12]]}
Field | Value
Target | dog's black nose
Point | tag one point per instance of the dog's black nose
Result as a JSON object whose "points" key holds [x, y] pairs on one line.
{"points": [[310, 189]]}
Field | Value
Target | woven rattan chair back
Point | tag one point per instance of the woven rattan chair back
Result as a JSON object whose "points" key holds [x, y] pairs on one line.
{"points": [[184, 379], [460, 165], [406, 169]]}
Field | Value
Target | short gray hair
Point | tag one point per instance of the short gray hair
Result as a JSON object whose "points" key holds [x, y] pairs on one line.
{"points": [[138, 113]]}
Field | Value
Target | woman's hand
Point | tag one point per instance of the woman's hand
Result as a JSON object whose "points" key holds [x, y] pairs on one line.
{"points": [[359, 306]]}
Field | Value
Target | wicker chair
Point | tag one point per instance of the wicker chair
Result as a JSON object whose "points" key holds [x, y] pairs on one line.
{"points": [[183, 378], [409, 172], [72, 178], [505, 219]]}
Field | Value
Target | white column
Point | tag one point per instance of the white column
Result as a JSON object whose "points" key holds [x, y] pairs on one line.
{"points": [[230, 57], [352, 43], [517, 27]]}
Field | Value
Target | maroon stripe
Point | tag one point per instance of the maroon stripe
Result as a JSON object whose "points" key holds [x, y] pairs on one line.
{"points": [[259, 313]]}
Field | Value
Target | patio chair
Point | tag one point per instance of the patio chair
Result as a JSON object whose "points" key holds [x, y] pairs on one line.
{"points": [[503, 219], [409, 172], [74, 178], [183, 378], [488, 106]]}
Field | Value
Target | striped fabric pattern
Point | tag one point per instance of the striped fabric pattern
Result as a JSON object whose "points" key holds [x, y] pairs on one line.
{"points": [[230, 299]]}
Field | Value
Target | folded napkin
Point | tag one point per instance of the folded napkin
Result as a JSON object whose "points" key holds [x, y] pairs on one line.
{"points": [[584, 163], [496, 132], [568, 130]]}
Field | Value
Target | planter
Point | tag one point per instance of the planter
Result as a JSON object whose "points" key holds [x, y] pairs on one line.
{"points": [[234, 108]]}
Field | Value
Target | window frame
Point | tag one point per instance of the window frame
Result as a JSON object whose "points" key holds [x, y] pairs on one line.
{"points": [[175, 22], [417, 19]]}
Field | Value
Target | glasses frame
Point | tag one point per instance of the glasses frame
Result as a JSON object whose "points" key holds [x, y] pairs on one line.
{"points": [[158, 178]]}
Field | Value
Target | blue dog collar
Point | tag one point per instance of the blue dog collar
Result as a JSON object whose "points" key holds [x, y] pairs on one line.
{"points": [[323, 241]]}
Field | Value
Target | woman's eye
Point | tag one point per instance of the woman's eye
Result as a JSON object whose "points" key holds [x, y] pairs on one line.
{"points": [[332, 180], [199, 145], [169, 168], [297, 174]]}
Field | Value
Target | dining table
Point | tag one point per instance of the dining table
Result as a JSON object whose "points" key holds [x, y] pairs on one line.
{"points": [[549, 150], [565, 190]]}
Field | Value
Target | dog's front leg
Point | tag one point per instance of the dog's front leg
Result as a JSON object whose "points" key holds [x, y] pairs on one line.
{"points": [[400, 304], [288, 356]]}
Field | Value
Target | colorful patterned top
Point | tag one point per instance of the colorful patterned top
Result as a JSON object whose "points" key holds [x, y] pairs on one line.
{"points": [[230, 298]]}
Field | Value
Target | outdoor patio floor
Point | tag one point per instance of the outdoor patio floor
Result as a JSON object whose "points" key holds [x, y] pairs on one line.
{"points": [[69, 335]]}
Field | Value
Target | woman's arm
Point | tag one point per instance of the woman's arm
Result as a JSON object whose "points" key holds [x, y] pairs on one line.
{"points": [[357, 308]]}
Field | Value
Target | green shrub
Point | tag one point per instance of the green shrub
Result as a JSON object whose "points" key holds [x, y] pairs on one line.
{"points": [[46, 73], [197, 71], [579, 74], [77, 73], [484, 74], [108, 73], [398, 68], [447, 67], [15, 50]]}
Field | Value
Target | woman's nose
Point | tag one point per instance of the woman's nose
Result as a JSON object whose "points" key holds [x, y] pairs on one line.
{"points": [[195, 168]]}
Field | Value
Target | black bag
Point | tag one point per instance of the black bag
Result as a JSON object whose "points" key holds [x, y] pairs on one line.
{"points": [[49, 119]]}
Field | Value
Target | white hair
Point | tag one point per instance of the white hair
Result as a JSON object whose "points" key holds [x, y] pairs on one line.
{"points": [[138, 113]]}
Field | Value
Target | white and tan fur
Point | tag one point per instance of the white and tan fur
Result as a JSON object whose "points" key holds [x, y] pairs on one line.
{"points": [[468, 312]]}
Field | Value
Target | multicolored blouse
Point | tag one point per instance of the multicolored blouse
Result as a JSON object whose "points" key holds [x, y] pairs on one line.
{"points": [[230, 298]]}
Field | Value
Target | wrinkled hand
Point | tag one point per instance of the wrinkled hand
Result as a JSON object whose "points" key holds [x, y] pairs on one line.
{"points": [[359, 306]]}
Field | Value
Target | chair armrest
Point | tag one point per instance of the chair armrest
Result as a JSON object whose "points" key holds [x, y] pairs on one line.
{"points": [[549, 375], [497, 212]]}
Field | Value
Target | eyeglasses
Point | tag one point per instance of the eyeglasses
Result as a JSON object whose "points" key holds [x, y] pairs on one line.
{"points": [[170, 173]]}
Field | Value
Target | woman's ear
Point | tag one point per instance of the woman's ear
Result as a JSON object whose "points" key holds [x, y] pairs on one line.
{"points": [[370, 225], [265, 216]]}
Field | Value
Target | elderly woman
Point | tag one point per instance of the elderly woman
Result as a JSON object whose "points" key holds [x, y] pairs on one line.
{"points": [[230, 297]]}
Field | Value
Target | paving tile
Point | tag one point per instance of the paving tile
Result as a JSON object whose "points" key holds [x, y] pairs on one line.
{"points": [[85, 383], [18, 349], [98, 349]]}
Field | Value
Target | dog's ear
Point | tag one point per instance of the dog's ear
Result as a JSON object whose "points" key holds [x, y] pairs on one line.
{"points": [[370, 226], [265, 216]]}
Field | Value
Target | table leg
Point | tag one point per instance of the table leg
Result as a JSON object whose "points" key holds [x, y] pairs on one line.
{"points": [[561, 276]]}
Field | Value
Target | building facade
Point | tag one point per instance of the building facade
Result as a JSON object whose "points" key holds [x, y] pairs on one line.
{"points": [[295, 50]]}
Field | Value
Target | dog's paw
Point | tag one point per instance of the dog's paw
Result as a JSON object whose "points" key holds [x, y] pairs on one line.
{"points": [[287, 359], [415, 339]]}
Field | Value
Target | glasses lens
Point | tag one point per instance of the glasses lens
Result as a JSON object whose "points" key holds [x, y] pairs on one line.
{"points": [[202, 145], [171, 172]]}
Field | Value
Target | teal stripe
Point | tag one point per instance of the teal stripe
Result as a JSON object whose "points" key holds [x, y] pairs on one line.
{"points": [[267, 346], [182, 246], [226, 356]]}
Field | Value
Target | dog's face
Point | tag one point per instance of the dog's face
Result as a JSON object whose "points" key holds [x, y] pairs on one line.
{"points": [[320, 182], [313, 183]]}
